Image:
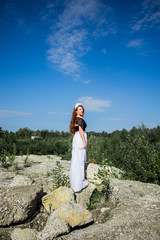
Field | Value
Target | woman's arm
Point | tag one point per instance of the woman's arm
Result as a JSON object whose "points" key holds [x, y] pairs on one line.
{"points": [[82, 136]]}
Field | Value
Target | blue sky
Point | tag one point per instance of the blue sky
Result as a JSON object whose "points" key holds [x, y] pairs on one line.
{"points": [[104, 54]]}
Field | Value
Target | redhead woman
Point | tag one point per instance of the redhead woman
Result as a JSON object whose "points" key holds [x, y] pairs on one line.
{"points": [[79, 147]]}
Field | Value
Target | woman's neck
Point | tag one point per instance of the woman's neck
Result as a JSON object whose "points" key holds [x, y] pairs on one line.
{"points": [[79, 116]]}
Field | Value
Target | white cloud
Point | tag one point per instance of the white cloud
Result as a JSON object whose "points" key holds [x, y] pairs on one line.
{"points": [[148, 17], [94, 105], [76, 27], [137, 43], [87, 81], [63, 113], [115, 119], [9, 113]]}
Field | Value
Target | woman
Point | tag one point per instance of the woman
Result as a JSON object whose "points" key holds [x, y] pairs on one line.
{"points": [[79, 146]]}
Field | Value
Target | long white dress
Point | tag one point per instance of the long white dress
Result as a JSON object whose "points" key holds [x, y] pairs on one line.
{"points": [[77, 170]]}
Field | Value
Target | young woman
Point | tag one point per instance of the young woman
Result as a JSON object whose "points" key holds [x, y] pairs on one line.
{"points": [[79, 147]]}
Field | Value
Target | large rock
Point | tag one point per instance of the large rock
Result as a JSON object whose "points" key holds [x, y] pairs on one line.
{"points": [[58, 198], [20, 180], [92, 170], [74, 214], [24, 234], [19, 203], [54, 227], [84, 196], [135, 216], [5, 179]]}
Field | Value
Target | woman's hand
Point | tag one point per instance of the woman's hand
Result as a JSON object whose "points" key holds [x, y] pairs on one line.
{"points": [[85, 145], [82, 136]]}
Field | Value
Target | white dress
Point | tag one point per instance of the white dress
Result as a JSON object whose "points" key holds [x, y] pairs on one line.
{"points": [[77, 170]]}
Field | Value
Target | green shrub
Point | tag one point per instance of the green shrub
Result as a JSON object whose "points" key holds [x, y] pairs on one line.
{"points": [[140, 160], [59, 178]]}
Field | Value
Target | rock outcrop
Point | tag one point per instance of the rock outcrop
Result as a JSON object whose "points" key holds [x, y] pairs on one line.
{"points": [[54, 227], [84, 196], [24, 234], [58, 198], [74, 214], [136, 214], [19, 203], [20, 180], [132, 212]]}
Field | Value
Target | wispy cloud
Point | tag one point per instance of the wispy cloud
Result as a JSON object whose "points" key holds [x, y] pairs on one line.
{"points": [[9, 113], [77, 26], [55, 113], [148, 17], [137, 43], [115, 119], [94, 105], [87, 81]]}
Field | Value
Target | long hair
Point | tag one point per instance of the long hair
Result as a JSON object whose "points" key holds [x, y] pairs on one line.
{"points": [[72, 123]]}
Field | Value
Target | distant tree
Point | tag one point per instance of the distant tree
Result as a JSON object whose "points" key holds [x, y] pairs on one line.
{"points": [[1, 132], [24, 133], [44, 133]]}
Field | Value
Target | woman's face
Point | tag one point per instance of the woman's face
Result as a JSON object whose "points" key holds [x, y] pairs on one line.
{"points": [[80, 111]]}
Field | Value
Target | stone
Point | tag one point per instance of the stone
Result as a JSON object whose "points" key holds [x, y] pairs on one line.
{"points": [[19, 203], [5, 179], [24, 234], [20, 180], [91, 172], [84, 196], [134, 216], [74, 214], [59, 197], [104, 209], [54, 227]]}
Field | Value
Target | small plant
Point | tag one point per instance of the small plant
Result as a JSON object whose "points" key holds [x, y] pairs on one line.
{"points": [[59, 178], [103, 175], [26, 163], [12, 157], [50, 207], [95, 200], [3, 159], [21, 153], [48, 174], [15, 167]]}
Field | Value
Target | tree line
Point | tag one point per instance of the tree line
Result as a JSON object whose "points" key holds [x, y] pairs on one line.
{"points": [[136, 152]]}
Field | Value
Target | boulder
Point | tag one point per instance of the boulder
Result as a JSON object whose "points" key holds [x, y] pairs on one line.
{"points": [[135, 215], [91, 172], [20, 180], [24, 234], [58, 198], [54, 227], [19, 203], [84, 196], [74, 214]]}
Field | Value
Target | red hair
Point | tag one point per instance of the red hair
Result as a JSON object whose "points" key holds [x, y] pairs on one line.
{"points": [[72, 123]]}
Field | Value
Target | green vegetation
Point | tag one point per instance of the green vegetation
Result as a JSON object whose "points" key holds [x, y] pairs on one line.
{"points": [[101, 195], [136, 152], [59, 178]]}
